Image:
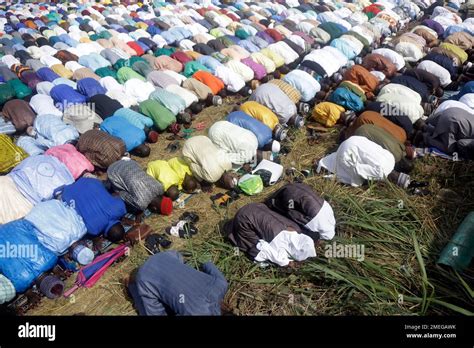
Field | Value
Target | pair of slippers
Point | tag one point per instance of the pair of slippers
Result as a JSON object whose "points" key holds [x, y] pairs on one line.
{"points": [[224, 199], [185, 227], [154, 241], [418, 188]]}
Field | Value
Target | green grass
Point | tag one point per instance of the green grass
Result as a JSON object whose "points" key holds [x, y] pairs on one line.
{"points": [[398, 276]]}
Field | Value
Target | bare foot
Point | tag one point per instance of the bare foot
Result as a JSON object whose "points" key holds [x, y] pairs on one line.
{"points": [[125, 281]]}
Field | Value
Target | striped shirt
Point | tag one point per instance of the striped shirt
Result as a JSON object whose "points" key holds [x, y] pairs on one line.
{"points": [[288, 89], [100, 148]]}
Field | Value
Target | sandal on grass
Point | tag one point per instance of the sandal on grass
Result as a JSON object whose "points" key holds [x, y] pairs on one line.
{"points": [[183, 229]]}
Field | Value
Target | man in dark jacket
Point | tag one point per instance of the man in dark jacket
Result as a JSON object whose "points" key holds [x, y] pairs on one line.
{"points": [[429, 79], [298, 202], [166, 285], [414, 84], [451, 131], [255, 222], [266, 236], [443, 61]]}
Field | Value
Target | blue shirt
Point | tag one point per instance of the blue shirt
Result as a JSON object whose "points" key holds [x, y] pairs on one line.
{"points": [[52, 131], [171, 101], [347, 99], [135, 118], [97, 207], [65, 96], [261, 131], [119, 127], [258, 41], [209, 62], [38, 177], [58, 225], [22, 271], [166, 284], [344, 47], [467, 88], [30, 145], [89, 87], [249, 46]]}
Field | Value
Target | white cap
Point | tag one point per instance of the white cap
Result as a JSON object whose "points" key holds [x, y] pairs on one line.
{"points": [[276, 146], [378, 74], [31, 131], [83, 255]]}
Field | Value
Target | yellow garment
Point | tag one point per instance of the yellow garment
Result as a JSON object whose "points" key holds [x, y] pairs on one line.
{"points": [[62, 71], [193, 54], [48, 33], [84, 40], [234, 26], [261, 113], [142, 25], [162, 171], [264, 60], [181, 168], [288, 89], [216, 32], [10, 154], [327, 113], [283, 30], [275, 57], [456, 50]]}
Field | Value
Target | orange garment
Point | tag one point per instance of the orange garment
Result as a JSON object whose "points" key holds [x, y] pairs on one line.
{"points": [[214, 83], [372, 117], [362, 77], [431, 40], [378, 62], [30, 24]]}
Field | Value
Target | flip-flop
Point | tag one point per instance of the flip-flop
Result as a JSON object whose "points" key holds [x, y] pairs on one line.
{"points": [[152, 243], [190, 217], [183, 229], [420, 192], [417, 184], [173, 147], [174, 137]]}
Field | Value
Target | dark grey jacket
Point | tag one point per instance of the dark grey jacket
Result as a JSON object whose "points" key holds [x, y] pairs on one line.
{"points": [[166, 285], [452, 130], [297, 202], [253, 222]]}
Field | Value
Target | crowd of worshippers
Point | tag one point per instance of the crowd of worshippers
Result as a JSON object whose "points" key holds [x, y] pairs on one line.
{"points": [[87, 87], [414, 92]]}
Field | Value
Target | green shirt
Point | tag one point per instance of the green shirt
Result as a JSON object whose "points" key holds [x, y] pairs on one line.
{"points": [[193, 66], [124, 74], [383, 138], [161, 116]]}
